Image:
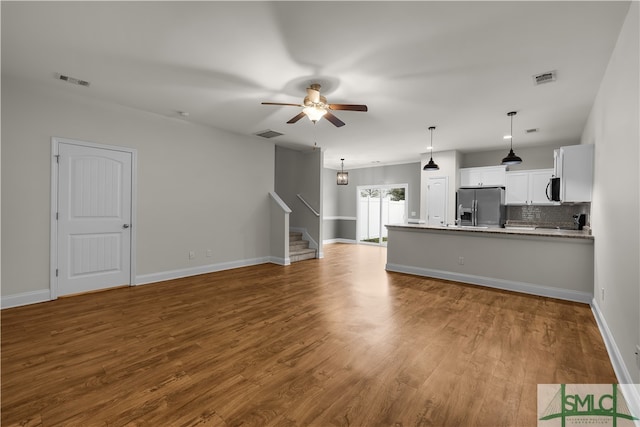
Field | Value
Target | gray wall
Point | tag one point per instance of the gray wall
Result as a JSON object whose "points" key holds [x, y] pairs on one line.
{"points": [[613, 127], [340, 200], [540, 157], [300, 172], [198, 188]]}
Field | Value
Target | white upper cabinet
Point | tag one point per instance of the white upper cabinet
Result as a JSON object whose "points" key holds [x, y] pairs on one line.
{"points": [[528, 187], [517, 188], [574, 166], [539, 180], [489, 176]]}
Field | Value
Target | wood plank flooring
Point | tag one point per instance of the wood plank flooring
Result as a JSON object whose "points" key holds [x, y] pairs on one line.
{"points": [[330, 342]]}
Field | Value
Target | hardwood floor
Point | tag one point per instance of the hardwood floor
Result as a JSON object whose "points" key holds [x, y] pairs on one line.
{"points": [[336, 341]]}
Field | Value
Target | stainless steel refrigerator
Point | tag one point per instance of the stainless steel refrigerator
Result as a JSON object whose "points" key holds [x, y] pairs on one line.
{"points": [[481, 207]]}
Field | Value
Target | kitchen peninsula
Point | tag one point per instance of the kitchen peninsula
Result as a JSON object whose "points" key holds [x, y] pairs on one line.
{"points": [[552, 263]]}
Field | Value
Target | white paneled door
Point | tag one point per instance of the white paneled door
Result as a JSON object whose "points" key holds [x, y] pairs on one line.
{"points": [[93, 218], [437, 201]]}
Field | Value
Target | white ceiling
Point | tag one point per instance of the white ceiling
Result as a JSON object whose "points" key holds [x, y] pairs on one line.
{"points": [[459, 66]]}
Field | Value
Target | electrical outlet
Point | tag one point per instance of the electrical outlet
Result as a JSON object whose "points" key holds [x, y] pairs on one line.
{"points": [[192, 254], [461, 260], [209, 253], [413, 214]]}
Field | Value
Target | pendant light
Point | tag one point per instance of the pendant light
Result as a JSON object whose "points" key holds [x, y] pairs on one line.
{"points": [[343, 177], [431, 166], [511, 158]]}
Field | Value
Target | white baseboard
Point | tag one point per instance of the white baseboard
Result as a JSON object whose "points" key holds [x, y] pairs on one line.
{"points": [[507, 285], [330, 241], [280, 261], [339, 218], [629, 389], [203, 269], [25, 298]]}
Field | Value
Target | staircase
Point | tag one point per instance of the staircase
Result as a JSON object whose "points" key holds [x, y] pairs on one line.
{"points": [[299, 249]]}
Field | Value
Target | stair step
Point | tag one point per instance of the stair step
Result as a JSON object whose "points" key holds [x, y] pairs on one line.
{"points": [[302, 254], [299, 248], [298, 244]]}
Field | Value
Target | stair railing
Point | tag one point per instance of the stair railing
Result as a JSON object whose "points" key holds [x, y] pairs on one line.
{"points": [[308, 205], [279, 230]]}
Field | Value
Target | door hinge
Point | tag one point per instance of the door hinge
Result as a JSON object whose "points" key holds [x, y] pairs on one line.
{"points": [[56, 216], [56, 272], [57, 156]]}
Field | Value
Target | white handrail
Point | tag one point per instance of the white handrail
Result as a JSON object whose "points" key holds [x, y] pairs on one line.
{"points": [[308, 205], [280, 202]]}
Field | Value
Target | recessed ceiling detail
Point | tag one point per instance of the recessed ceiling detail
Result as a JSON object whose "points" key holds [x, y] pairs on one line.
{"points": [[72, 80]]}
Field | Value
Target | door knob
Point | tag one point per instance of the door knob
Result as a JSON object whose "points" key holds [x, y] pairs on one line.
{"points": [[125, 226]]}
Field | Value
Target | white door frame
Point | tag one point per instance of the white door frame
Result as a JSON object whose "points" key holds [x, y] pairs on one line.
{"points": [[379, 186], [53, 265]]}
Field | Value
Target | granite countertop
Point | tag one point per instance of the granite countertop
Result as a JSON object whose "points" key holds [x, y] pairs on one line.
{"points": [[510, 230]]}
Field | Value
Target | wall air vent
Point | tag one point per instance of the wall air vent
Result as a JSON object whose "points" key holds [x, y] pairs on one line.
{"points": [[269, 133], [72, 80], [548, 77]]}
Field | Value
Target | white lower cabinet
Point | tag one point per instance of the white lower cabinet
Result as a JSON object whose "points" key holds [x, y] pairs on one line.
{"points": [[528, 187]]}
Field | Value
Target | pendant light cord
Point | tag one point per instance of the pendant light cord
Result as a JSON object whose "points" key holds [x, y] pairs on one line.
{"points": [[511, 134]]}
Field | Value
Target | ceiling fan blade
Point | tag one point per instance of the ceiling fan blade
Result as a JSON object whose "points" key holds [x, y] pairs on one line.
{"points": [[333, 119], [296, 118], [313, 95], [282, 103], [348, 107]]}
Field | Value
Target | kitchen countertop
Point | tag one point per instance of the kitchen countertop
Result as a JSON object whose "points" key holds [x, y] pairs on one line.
{"points": [[523, 231]]}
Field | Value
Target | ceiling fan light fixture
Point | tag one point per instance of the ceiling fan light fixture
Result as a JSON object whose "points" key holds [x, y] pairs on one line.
{"points": [[511, 158], [314, 113], [342, 177], [431, 165]]}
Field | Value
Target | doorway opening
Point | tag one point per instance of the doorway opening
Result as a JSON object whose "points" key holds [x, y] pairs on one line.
{"points": [[377, 206]]}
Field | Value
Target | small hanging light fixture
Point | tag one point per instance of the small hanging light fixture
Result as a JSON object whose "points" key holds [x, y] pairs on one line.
{"points": [[343, 177], [511, 158], [431, 166]]}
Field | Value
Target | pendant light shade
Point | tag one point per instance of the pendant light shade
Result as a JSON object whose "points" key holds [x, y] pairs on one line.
{"points": [[511, 158], [431, 166], [343, 177]]}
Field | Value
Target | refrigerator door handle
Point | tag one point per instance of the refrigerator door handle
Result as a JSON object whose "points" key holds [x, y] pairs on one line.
{"points": [[474, 205], [476, 222]]}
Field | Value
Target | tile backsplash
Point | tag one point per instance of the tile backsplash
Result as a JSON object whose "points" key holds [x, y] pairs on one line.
{"points": [[554, 216]]}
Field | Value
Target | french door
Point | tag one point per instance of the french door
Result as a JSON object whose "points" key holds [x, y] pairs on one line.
{"points": [[379, 205]]}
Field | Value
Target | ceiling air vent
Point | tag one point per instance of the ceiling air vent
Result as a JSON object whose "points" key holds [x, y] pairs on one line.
{"points": [[269, 133], [72, 80], [548, 77]]}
